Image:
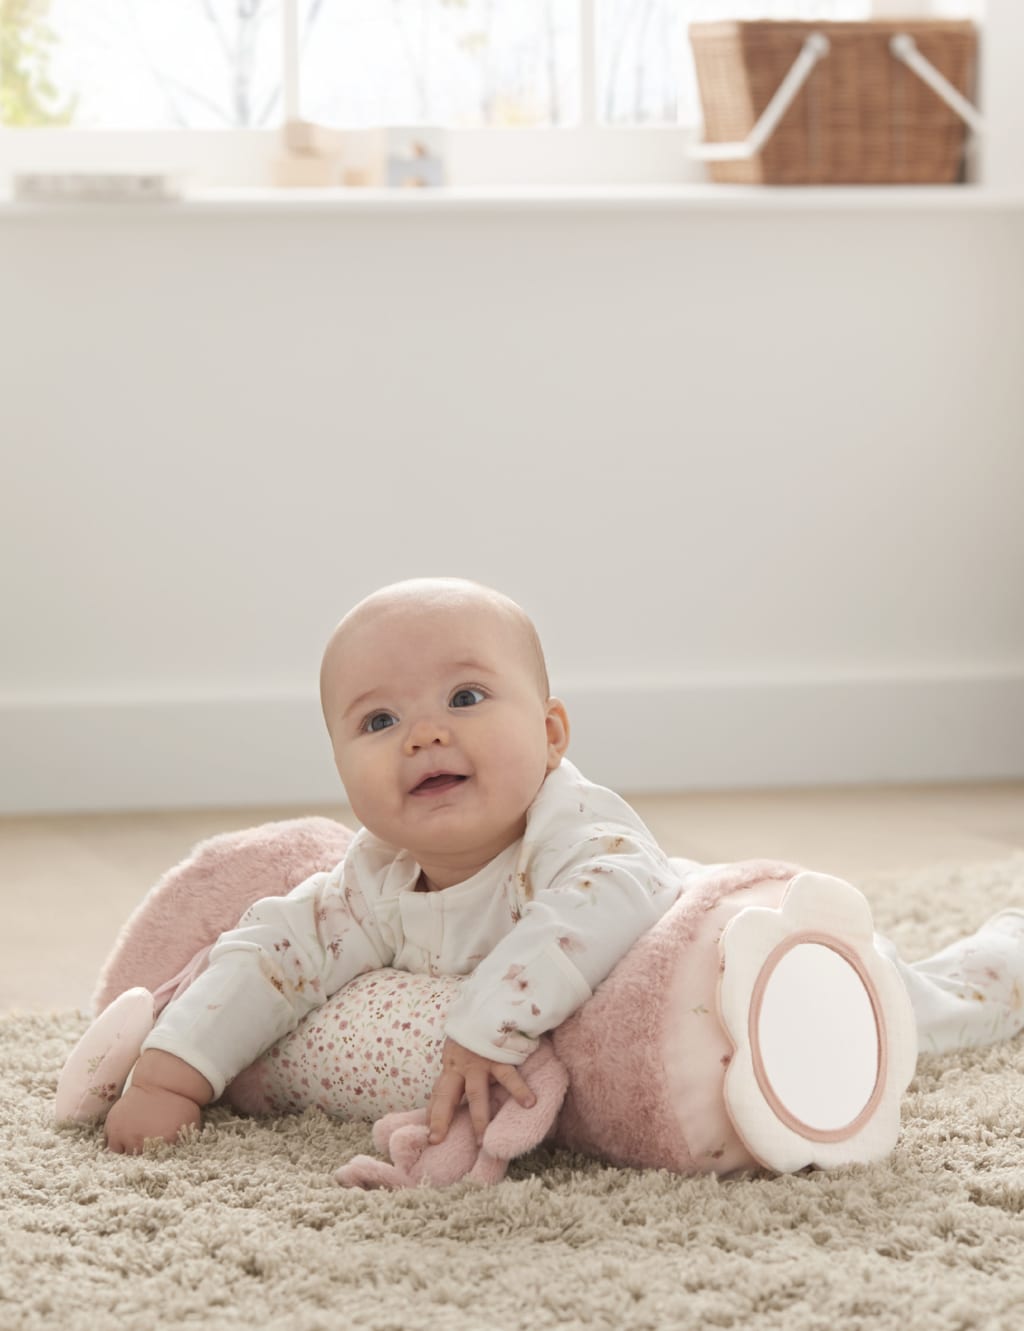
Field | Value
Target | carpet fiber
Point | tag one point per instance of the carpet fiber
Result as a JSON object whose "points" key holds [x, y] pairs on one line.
{"points": [[243, 1227]]}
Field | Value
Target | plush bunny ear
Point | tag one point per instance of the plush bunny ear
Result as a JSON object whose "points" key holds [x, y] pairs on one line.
{"points": [[514, 1130], [385, 1127]]}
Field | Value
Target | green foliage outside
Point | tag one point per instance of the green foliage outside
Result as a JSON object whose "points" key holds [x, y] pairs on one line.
{"points": [[27, 96]]}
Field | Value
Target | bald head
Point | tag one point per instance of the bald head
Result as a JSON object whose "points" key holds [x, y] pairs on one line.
{"points": [[439, 599]]}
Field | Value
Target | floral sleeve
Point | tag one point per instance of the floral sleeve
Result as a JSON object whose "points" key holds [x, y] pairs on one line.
{"points": [[567, 939], [285, 957]]}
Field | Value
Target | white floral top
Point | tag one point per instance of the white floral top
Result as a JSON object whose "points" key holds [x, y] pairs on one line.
{"points": [[538, 928]]}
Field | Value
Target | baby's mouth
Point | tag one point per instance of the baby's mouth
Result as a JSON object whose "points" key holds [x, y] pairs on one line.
{"points": [[438, 782]]}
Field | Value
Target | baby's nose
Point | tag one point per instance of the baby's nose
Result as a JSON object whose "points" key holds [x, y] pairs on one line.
{"points": [[428, 730]]}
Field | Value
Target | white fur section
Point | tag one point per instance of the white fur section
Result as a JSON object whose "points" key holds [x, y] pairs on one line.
{"points": [[642, 735]]}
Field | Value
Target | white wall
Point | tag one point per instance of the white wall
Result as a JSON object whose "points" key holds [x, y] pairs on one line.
{"points": [[1002, 97], [757, 474]]}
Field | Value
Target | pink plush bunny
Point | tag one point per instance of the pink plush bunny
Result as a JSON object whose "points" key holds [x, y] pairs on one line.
{"points": [[511, 1132]]}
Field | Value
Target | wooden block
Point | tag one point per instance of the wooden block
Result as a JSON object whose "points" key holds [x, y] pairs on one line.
{"points": [[306, 139], [306, 172]]}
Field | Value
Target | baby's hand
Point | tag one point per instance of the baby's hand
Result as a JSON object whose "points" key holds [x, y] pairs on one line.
{"points": [[148, 1112], [464, 1071], [165, 1096]]}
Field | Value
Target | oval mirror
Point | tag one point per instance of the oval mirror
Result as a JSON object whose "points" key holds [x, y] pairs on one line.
{"points": [[814, 1001]]}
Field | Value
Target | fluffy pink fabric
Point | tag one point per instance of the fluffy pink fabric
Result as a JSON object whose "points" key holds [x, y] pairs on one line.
{"points": [[618, 1105], [208, 892]]}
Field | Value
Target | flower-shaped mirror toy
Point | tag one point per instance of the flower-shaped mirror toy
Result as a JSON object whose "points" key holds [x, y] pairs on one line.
{"points": [[824, 1036]]}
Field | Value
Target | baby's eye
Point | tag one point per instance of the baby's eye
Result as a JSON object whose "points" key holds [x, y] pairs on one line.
{"points": [[370, 724], [467, 693]]}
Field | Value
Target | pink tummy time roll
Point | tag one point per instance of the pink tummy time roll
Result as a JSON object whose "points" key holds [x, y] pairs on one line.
{"points": [[646, 1056]]}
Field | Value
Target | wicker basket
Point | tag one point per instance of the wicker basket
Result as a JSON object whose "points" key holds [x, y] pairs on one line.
{"points": [[862, 117]]}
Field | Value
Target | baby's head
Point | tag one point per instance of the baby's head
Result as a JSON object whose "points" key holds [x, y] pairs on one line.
{"points": [[441, 675]]}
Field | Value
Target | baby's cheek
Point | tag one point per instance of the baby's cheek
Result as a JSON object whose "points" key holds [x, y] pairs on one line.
{"points": [[524, 775], [364, 785]]}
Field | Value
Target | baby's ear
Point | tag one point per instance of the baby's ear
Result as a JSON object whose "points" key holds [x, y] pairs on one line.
{"points": [[556, 721]]}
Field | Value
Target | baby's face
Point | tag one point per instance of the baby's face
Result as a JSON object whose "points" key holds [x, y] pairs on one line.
{"points": [[411, 691]]}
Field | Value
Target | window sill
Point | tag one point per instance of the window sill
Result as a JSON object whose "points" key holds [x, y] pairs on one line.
{"points": [[695, 198]]}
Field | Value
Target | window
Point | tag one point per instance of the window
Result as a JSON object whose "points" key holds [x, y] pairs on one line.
{"points": [[217, 64], [143, 64], [594, 69], [456, 63], [646, 73]]}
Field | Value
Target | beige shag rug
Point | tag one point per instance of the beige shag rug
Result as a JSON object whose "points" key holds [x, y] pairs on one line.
{"points": [[243, 1226]]}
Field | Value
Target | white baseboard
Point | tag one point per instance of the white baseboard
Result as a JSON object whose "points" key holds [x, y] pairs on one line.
{"points": [[95, 755]]}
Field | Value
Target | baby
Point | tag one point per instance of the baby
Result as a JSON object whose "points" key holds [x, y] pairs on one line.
{"points": [[483, 852]]}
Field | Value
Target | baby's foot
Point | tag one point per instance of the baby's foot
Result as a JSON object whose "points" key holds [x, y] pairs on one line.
{"points": [[97, 1068], [996, 968]]}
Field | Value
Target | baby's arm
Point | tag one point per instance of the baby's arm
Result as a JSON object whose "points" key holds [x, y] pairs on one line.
{"points": [[286, 956], [567, 940], [602, 898]]}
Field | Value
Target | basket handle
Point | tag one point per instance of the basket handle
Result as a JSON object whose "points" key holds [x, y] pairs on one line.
{"points": [[902, 46], [905, 48], [814, 48]]}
